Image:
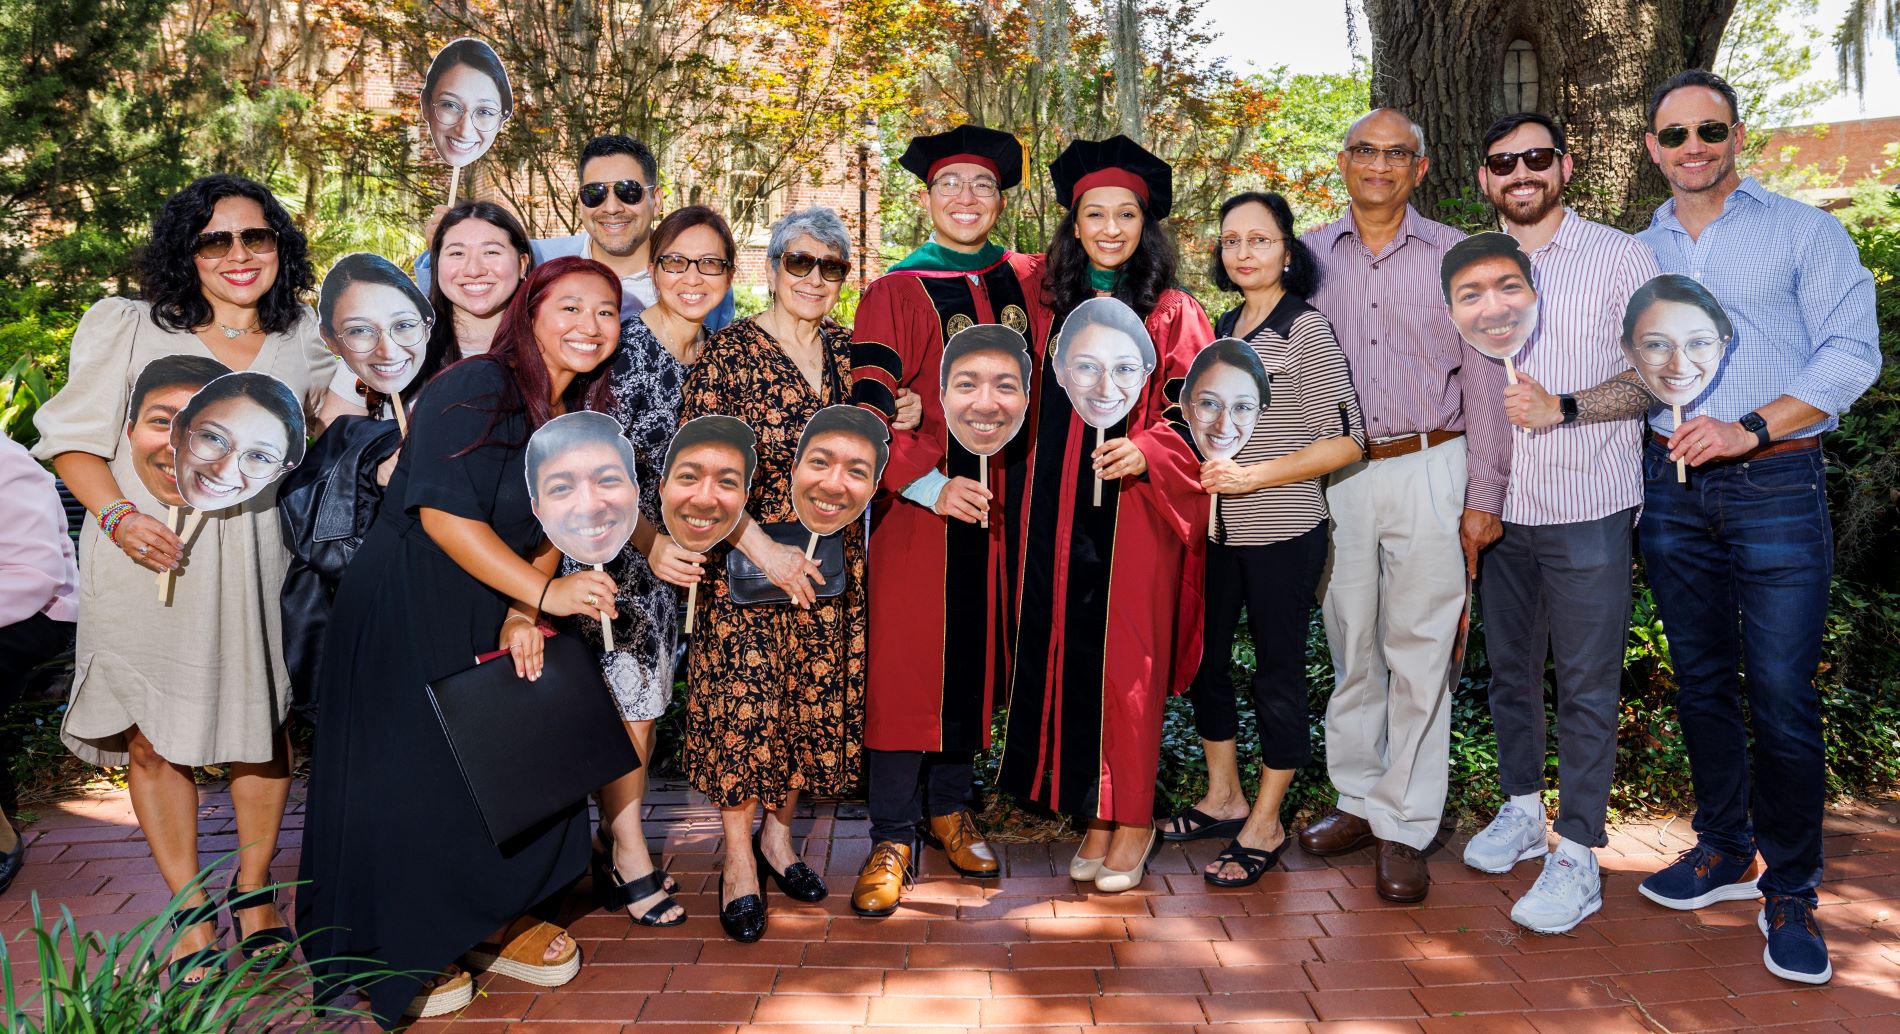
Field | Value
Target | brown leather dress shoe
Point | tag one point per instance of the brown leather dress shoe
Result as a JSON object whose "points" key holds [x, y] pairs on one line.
{"points": [[1335, 832], [1403, 876], [962, 842], [882, 881]]}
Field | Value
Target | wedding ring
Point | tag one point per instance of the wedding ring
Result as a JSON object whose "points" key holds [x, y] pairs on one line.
{"points": [[144, 550], [592, 599]]}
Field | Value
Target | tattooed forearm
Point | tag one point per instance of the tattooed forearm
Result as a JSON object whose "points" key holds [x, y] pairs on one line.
{"points": [[1619, 398]]}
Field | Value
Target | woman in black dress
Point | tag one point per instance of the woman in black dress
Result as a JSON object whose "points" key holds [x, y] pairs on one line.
{"points": [[402, 875]]}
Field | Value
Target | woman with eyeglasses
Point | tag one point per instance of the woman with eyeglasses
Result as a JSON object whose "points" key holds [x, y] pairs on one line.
{"points": [[377, 321], [465, 99], [693, 256], [775, 691], [201, 680], [1110, 603], [1268, 543]]}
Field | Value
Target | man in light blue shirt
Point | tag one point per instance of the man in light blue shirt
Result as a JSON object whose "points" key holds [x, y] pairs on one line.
{"points": [[620, 202], [1740, 556]]}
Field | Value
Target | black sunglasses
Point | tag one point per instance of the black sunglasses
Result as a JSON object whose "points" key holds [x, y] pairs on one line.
{"points": [[1711, 133], [1537, 159], [593, 195], [258, 240], [800, 265]]}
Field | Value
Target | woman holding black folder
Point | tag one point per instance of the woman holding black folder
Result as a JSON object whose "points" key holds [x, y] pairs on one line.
{"points": [[402, 875]]}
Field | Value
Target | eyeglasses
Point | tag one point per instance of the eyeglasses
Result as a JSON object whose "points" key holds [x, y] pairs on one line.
{"points": [[1209, 411], [406, 333], [212, 446], [593, 195], [1254, 242], [800, 265], [1366, 154], [1661, 353], [952, 184], [1126, 376], [709, 266], [1537, 159], [449, 112], [258, 240], [1673, 137]]}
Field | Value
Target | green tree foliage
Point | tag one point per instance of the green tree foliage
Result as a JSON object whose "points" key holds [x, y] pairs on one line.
{"points": [[1771, 68]]}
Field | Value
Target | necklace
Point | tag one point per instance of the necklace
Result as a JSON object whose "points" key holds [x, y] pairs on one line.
{"points": [[233, 333]]}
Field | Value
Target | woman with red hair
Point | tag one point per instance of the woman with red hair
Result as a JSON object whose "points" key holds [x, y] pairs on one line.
{"points": [[402, 877]]}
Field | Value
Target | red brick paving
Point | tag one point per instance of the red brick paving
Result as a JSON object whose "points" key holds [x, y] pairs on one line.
{"points": [[1311, 948]]}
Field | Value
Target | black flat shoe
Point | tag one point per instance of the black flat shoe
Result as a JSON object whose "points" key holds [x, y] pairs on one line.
{"points": [[1253, 861], [267, 948], [613, 895], [798, 881], [744, 918], [11, 861]]}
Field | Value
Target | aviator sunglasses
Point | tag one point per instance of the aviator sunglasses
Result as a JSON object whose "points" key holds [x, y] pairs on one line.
{"points": [[800, 265], [593, 195], [1711, 133], [1537, 159], [258, 240]]}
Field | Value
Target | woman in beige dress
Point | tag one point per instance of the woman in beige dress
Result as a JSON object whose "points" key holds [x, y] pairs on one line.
{"points": [[200, 681]]}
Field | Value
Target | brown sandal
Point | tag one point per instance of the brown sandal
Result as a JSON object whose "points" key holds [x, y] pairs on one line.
{"points": [[452, 994], [525, 955]]}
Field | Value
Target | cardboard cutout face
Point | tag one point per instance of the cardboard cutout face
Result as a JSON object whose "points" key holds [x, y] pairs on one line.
{"points": [[376, 320], [1490, 299], [1225, 390], [841, 456], [1102, 359], [707, 480], [161, 391], [465, 100], [984, 378], [581, 485], [234, 438], [1675, 334]]}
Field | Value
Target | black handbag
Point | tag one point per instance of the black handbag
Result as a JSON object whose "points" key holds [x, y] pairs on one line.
{"points": [[750, 587], [529, 750]]}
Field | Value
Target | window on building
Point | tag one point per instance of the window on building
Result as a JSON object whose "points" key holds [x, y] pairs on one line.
{"points": [[1520, 77], [750, 203]]}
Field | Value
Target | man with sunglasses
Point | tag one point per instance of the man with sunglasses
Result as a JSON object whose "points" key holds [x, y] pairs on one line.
{"points": [[1740, 559], [1408, 521], [1557, 583], [619, 204], [944, 539]]}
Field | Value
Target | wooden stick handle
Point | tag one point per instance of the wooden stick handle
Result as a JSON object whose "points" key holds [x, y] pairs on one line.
{"points": [[167, 578], [1098, 479], [692, 603], [402, 415], [606, 627], [455, 178], [811, 548], [1510, 370], [983, 475], [1682, 467]]}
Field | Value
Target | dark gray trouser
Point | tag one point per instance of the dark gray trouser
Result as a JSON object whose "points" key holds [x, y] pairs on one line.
{"points": [[1562, 592]]}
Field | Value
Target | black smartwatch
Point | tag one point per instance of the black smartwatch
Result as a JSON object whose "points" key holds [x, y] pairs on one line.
{"points": [[1754, 422], [1568, 403]]}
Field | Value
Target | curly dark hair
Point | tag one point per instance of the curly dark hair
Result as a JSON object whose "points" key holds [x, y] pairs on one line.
{"points": [[1301, 278], [1148, 272], [168, 275]]}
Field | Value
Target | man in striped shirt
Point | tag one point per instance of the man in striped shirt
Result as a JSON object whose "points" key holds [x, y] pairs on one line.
{"points": [[1568, 512], [1740, 557]]}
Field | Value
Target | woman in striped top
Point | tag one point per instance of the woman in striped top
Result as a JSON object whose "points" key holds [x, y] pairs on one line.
{"points": [[1269, 541]]}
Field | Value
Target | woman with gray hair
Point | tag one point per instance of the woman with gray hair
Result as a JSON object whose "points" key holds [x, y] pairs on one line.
{"points": [[775, 691]]}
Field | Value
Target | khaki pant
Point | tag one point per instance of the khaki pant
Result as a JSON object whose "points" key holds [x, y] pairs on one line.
{"points": [[1393, 596]]}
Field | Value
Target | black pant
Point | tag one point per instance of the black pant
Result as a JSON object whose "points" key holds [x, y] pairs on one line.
{"points": [[24, 645], [905, 785], [1278, 585]]}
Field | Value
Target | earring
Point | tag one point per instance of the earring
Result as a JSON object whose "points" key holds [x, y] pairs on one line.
{"points": [[1288, 268]]}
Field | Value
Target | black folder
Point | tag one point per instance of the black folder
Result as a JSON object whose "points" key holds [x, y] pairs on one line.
{"points": [[528, 750]]}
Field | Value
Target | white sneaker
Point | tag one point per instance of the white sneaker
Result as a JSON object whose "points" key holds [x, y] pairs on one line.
{"points": [[1565, 894], [1512, 837]]}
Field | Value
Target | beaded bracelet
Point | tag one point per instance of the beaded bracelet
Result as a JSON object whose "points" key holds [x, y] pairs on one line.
{"points": [[112, 516]]}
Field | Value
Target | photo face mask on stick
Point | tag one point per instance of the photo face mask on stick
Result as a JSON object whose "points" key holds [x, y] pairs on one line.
{"points": [[1225, 390], [984, 379], [1489, 294], [1675, 334], [1102, 359], [234, 438], [465, 100], [581, 486], [376, 320], [708, 477], [841, 455], [160, 393]]}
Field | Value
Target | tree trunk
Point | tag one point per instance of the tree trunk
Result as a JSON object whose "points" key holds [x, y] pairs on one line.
{"points": [[1442, 63], [1128, 64]]}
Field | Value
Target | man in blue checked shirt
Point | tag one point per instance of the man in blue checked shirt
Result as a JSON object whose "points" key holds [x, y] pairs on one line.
{"points": [[1740, 557]]}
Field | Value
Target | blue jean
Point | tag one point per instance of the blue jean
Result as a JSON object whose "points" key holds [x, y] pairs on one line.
{"points": [[1739, 560]]}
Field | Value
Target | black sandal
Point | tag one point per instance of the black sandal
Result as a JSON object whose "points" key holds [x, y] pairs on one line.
{"points": [[273, 945], [602, 857], [798, 882], [1255, 861], [210, 958], [1195, 824], [615, 896]]}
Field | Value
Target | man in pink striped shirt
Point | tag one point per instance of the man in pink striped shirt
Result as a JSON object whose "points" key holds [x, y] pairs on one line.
{"points": [[1565, 552]]}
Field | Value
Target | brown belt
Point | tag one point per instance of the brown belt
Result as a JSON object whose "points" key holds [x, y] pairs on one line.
{"points": [[1409, 444], [1760, 452]]}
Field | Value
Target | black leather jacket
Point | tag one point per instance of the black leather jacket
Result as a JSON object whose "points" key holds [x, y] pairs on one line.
{"points": [[326, 506]]}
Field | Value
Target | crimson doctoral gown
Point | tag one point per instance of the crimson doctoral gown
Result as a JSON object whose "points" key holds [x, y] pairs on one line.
{"points": [[1111, 595]]}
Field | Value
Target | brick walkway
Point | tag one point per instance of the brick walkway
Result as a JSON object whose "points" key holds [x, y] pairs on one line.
{"points": [[1310, 947]]}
